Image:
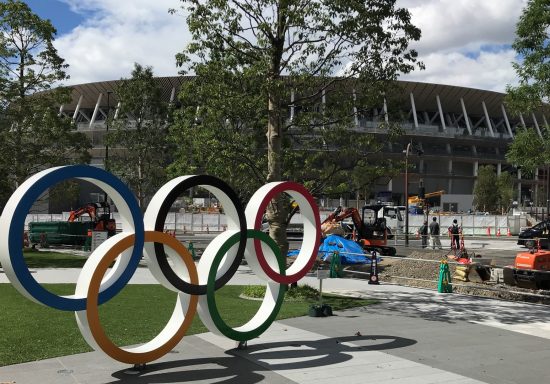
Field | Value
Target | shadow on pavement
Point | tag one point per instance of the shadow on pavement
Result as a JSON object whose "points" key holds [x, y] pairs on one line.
{"points": [[451, 308], [310, 354], [243, 367]]}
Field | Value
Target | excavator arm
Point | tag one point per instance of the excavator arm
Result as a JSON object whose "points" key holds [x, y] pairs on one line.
{"points": [[340, 215], [89, 209]]}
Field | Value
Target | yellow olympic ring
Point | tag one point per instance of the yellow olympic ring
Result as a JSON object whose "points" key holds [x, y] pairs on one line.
{"points": [[175, 329]]}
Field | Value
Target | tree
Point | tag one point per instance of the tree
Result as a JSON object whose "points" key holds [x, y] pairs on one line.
{"points": [[33, 134], [532, 44], [505, 184], [486, 196], [278, 85], [139, 134]]}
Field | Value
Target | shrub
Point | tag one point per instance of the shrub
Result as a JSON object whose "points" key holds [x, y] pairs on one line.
{"points": [[299, 293]]}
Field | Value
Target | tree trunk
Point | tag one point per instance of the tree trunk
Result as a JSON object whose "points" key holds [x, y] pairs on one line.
{"points": [[277, 211], [140, 184]]}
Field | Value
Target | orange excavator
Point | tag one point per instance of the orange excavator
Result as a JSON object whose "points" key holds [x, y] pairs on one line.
{"points": [[370, 230], [100, 215], [531, 269]]}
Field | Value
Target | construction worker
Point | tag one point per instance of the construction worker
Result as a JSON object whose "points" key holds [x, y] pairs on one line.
{"points": [[434, 234], [454, 231], [423, 231]]}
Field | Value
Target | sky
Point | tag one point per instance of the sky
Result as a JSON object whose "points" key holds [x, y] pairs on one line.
{"points": [[464, 42]]}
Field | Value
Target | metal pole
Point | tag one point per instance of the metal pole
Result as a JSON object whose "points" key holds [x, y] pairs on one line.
{"points": [[547, 193], [106, 134], [407, 195], [107, 130]]}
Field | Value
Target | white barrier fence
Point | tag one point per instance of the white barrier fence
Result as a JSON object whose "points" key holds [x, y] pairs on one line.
{"points": [[216, 222]]}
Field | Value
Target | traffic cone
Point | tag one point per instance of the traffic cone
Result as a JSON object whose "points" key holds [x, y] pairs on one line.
{"points": [[191, 250], [444, 284], [489, 231], [498, 233], [508, 233]]}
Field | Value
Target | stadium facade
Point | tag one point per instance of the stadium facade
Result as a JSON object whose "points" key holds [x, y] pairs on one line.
{"points": [[453, 131]]}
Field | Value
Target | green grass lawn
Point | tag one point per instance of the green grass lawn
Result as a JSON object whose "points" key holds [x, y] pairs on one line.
{"points": [[46, 259], [30, 331]]}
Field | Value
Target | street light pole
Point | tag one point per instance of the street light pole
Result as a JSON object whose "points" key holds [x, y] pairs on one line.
{"points": [[105, 137], [407, 194], [107, 130], [547, 193]]}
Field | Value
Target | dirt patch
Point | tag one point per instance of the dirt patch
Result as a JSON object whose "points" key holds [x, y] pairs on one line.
{"points": [[424, 273]]}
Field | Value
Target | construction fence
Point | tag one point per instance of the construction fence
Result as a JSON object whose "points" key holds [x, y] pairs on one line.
{"points": [[472, 225]]}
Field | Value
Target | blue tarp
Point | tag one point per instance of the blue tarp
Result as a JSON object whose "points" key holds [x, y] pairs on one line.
{"points": [[349, 251]]}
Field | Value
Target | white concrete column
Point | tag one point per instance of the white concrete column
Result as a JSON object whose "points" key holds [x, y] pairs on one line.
{"points": [[173, 95], [96, 109], [440, 108], [466, 118], [413, 107], [117, 110], [488, 119], [75, 115], [476, 168], [386, 117], [536, 124], [522, 120], [507, 121], [499, 169]]}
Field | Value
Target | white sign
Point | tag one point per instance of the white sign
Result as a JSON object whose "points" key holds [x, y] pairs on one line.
{"points": [[98, 237], [323, 274]]}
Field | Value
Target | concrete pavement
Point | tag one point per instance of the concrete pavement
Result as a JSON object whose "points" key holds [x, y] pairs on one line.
{"points": [[411, 336]]}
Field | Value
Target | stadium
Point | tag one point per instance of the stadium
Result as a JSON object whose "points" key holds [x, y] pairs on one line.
{"points": [[452, 131]]}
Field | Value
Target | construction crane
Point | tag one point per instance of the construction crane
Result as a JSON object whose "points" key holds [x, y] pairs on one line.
{"points": [[417, 201]]}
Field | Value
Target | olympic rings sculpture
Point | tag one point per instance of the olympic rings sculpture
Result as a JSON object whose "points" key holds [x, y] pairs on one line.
{"points": [[194, 284]]}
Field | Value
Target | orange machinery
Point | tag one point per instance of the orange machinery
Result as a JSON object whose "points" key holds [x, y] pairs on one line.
{"points": [[370, 230], [100, 215], [531, 270]]}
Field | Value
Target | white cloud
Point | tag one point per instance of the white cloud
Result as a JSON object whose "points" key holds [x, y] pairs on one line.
{"points": [[489, 71], [120, 33], [464, 42], [451, 25]]}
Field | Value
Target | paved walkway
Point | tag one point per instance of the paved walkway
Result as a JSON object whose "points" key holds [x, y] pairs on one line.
{"points": [[411, 336]]}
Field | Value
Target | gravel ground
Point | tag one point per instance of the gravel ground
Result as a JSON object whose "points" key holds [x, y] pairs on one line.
{"points": [[424, 274]]}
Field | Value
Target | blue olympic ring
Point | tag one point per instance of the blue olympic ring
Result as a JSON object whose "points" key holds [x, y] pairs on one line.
{"points": [[15, 236]]}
